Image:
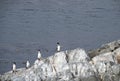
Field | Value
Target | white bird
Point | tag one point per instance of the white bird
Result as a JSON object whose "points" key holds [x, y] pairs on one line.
{"points": [[39, 55], [27, 64], [58, 47], [14, 67]]}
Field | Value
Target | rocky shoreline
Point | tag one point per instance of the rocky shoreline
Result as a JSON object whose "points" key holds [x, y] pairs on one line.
{"points": [[100, 64]]}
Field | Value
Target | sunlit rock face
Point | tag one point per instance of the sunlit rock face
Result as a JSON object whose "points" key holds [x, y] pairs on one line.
{"points": [[117, 53], [106, 57], [72, 65], [105, 48], [77, 55], [59, 61]]}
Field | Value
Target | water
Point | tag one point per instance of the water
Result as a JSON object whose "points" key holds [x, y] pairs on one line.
{"points": [[28, 25]]}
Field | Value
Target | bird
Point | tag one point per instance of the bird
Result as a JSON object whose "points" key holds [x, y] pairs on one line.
{"points": [[27, 64], [58, 47], [39, 55], [14, 67]]}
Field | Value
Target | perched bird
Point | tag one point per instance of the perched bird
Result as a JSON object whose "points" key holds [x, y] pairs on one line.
{"points": [[39, 60], [39, 55], [14, 67], [58, 47], [27, 64]]}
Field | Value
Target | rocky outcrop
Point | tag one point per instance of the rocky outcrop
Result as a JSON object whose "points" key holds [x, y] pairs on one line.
{"points": [[109, 47], [73, 65]]}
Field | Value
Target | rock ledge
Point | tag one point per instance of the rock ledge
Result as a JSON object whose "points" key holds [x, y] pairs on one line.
{"points": [[73, 65]]}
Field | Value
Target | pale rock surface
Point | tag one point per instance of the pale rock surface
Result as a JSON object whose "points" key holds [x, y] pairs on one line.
{"points": [[72, 65], [105, 57], [77, 55]]}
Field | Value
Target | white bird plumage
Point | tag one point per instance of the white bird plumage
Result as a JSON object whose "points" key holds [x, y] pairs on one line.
{"points": [[14, 67], [27, 64], [58, 47], [39, 54]]}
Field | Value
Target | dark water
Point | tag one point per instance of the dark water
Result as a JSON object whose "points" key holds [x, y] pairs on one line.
{"points": [[28, 25]]}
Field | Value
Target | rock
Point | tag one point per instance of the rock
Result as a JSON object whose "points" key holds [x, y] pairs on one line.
{"points": [[59, 60], [115, 78], [77, 55], [105, 63], [91, 78], [76, 79], [116, 69], [117, 52], [73, 65], [38, 63], [18, 78], [109, 47], [107, 78], [106, 57]]}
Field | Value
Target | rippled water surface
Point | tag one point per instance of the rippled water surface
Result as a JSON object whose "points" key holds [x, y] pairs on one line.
{"points": [[28, 25]]}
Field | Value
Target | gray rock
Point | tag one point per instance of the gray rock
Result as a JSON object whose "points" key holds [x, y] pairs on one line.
{"points": [[73, 65], [18, 78], [91, 78], [116, 69], [76, 79], [109, 47]]}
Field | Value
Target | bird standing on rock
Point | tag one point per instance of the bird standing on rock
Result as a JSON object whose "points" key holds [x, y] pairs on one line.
{"points": [[27, 64], [39, 60], [39, 55], [14, 67], [58, 47]]}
